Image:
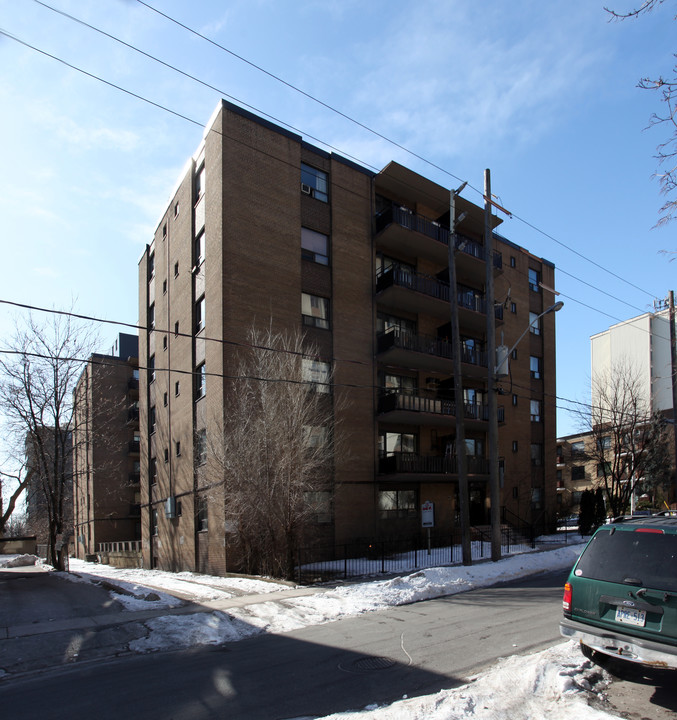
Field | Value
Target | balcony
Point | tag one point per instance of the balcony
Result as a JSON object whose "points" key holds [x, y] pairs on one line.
{"points": [[429, 410], [403, 232], [133, 416], [134, 447], [423, 466], [411, 291], [426, 352], [134, 478]]}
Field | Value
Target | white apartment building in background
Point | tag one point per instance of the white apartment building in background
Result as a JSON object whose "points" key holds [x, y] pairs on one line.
{"points": [[643, 343]]}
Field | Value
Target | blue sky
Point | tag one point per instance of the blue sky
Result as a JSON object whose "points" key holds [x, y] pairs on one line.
{"points": [[542, 93]]}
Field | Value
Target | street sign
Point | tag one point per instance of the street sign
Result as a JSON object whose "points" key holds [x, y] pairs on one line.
{"points": [[428, 514]]}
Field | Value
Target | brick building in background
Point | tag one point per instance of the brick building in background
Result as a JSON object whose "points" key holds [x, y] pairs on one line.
{"points": [[106, 446], [264, 228]]}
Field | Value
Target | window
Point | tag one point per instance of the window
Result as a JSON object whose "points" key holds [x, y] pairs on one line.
{"points": [[199, 183], [604, 443], [474, 447], [315, 311], [513, 261], [165, 399], [536, 454], [578, 472], [390, 443], [152, 419], [399, 384], [534, 323], [314, 182], [200, 381], [515, 446], [176, 328], [164, 231], [534, 280], [176, 210], [177, 388], [514, 354], [513, 308], [319, 504], [536, 498], [317, 373], [316, 436], [153, 522], [392, 324], [201, 447], [164, 342], [314, 246], [577, 448], [200, 309], [514, 400], [151, 266], [176, 269], [603, 469], [166, 455], [151, 316], [178, 448], [151, 369], [199, 249], [535, 411], [394, 504], [535, 367], [152, 470], [202, 516]]}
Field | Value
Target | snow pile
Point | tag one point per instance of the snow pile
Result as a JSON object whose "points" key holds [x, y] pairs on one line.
{"points": [[282, 616], [554, 683], [19, 561]]}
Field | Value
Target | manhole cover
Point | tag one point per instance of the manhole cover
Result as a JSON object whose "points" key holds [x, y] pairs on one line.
{"points": [[369, 664]]}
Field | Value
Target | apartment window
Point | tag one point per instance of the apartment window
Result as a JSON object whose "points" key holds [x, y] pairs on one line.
{"points": [[314, 182], [153, 522], [535, 411], [317, 373], [151, 316], [390, 443], [201, 447], [536, 454], [202, 515], [393, 504], [176, 210], [151, 266], [604, 443], [165, 399], [603, 469], [176, 269], [200, 309], [536, 498], [152, 419], [166, 455], [474, 447], [514, 354], [164, 231], [199, 182], [164, 342], [578, 448], [151, 369], [316, 436], [178, 448], [513, 261], [514, 400], [397, 325], [319, 504], [535, 367], [314, 246], [534, 323], [176, 328], [177, 388], [403, 384], [200, 381], [578, 472], [315, 311], [534, 280], [513, 308], [199, 249], [152, 470], [515, 446]]}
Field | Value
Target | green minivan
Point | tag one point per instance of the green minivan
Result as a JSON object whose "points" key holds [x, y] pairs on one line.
{"points": [[621, 596]]}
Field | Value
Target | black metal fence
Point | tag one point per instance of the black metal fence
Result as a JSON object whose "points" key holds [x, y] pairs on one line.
{"points": [[392, 556]]}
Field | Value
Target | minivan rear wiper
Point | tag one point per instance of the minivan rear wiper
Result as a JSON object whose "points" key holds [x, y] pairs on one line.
{"points": [[632, 581]]}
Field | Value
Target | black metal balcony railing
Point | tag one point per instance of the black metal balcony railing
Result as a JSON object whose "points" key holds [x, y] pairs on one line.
{"points": [[433, 404], [432, 229], [429, 345], [430, 464], [396, 276], [134, 478], [133, 414], [134, 447]]}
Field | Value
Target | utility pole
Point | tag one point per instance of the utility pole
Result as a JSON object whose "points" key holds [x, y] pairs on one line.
{"points": [[491, 378], [673, 358], [459, 404]]}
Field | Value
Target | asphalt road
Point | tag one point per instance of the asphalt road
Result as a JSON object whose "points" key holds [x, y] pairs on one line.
{"points": [[377, 657]]}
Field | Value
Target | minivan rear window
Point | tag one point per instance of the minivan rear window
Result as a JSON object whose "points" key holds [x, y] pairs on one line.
{"points": [[633, 558]]}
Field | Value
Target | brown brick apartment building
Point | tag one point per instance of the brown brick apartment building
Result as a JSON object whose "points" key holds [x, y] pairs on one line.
{"points": [[106, 449], [264, 228]]}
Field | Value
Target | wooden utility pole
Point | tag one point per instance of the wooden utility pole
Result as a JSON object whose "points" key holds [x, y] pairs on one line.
{"points": [[459, 404], [673, 375], [491, 377]]}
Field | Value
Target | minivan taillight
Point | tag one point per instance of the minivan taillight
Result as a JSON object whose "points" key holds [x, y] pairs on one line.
{"points": [[566, 600]]}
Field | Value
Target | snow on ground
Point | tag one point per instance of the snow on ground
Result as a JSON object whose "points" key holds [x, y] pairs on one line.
{"points": [[554, 683]]}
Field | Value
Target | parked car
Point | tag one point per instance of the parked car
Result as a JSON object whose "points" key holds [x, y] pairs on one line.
{"points": [[621, 596]]}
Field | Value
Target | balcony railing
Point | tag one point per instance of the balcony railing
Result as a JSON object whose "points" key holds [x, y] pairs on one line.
{"points": [[398, 277], [432, 229], [429, 345], [134, 478], [430, 464], [433, 404], [134, 447]]}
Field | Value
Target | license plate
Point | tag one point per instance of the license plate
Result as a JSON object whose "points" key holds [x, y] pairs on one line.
{"points": [[630, 616]]}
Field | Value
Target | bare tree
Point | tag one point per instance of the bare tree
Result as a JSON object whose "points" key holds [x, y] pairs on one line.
{"points": [[666, 152], [18, 482], [627, 442], [274, 456], [39, 367]]}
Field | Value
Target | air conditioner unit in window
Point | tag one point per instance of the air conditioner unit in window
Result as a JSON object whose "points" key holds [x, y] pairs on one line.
{"points": [[306, 189]]}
